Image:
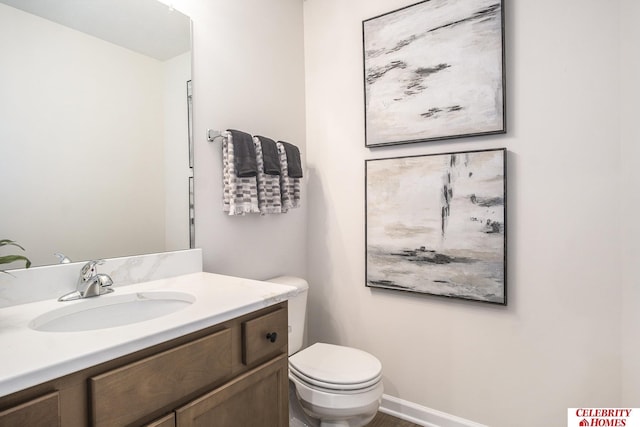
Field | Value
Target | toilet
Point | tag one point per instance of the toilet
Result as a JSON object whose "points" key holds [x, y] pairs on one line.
{"points": [[335, 385]]}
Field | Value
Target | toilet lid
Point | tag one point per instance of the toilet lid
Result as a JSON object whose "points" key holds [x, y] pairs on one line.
{"points": [[334, 366]]}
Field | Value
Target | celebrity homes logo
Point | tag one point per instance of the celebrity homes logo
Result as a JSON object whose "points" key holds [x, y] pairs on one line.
{"points": [[603, 417]]}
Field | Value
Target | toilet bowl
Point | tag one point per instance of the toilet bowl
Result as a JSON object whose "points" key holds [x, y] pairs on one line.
{"points": [[340, 386], [336, 385]]}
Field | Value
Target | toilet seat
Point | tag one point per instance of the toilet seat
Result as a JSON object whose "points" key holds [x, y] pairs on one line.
{"points": [[336, 368], [333, 388]]}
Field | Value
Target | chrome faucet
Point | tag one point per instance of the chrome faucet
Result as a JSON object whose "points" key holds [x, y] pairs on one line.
{"points": [[62, 258], [90, 283]]}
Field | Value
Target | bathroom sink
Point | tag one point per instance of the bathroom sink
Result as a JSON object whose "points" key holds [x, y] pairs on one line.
{"points": [[111, 311]]}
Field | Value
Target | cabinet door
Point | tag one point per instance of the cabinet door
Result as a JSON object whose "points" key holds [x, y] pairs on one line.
{"points": [[166, 421], [41, 412], [257, 398]]}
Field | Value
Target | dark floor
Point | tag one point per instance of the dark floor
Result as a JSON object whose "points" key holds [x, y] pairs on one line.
{"points": [[384, 420]]}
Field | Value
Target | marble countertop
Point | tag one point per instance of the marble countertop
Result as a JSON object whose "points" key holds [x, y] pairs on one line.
{"points": [[29, 357]]}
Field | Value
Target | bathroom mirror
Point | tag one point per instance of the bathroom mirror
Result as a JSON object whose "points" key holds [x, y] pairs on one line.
{"points": [[94, 134]]}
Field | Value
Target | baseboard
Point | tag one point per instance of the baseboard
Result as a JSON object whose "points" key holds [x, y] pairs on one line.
{"points": [[422, 415]]}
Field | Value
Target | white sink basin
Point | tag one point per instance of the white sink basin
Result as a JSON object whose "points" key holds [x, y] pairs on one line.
{"points": [[108, 311]]}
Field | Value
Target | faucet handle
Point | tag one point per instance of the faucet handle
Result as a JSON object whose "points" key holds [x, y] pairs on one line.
{"points": [[89, 269]]}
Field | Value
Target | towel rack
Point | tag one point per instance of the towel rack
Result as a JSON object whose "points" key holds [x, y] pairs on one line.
{"points": [[213, 134]]}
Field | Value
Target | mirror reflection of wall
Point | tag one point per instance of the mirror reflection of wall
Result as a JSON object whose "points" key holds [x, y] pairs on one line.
{"points": [[192, 210], [93, 138]]}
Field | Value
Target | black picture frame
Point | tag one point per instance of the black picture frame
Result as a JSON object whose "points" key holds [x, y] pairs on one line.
{"points": [[437, 224], [434, 70]]}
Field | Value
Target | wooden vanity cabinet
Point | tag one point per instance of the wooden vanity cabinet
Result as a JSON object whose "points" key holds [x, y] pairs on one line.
{"points": [[258, 397], [226, 375]]}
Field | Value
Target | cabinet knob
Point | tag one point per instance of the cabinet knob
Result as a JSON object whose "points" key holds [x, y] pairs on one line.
{"points": [[272, 336]]}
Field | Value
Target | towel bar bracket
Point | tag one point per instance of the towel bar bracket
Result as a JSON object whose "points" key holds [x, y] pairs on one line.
{"points": [[212, 135]]}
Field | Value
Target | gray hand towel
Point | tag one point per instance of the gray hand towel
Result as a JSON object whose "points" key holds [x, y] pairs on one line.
{"points": [[269, 196], [270, 155], [244, 154], [240, 195], [294, 164], [290, 188]]}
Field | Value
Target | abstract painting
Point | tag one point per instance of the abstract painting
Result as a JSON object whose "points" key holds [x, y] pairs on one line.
{"points": [[436, 224], [434, 70]]}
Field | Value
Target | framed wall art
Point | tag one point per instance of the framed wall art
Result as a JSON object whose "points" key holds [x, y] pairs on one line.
{"points": [[434, 70], [436, 224]]}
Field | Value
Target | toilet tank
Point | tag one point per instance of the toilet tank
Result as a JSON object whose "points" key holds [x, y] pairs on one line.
{"points": [[297, 310]]}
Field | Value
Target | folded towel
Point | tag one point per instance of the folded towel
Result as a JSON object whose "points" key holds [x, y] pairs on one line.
{"points": [[240, 195], [269, 198], [294, 163], [290, 188], [270, 155], [244, 154]]}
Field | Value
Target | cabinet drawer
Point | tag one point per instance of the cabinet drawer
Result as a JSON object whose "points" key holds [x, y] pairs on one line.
{"points": [[265, 336], [127, 394], [41, 412]]}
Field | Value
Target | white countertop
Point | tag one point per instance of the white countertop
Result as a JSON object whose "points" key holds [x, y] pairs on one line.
{"points": [[29, 357]]}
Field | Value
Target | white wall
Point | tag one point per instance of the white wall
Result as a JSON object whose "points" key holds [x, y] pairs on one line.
{"points": [[630, 199], [557, 343], [62, 157], [248, 74]]}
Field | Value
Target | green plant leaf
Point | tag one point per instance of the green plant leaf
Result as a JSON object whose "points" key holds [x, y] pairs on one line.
{"points": [[12, 258], [7, 242]]}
